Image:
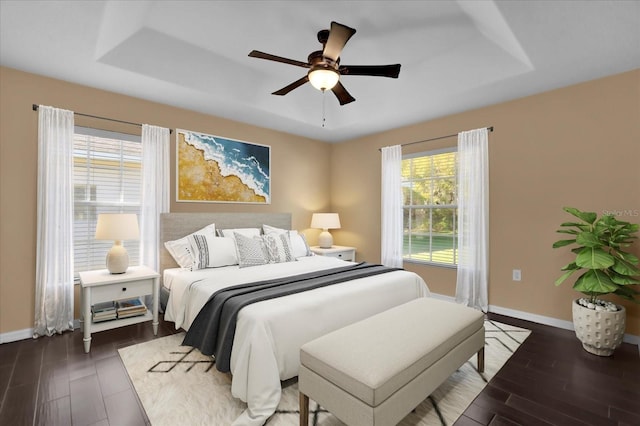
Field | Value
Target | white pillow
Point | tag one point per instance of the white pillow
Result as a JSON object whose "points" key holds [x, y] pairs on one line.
{"points": [[231, 233], [278, 247], [212, 252], [299, 245], [298, 241], [251, 251], [180, 249]]}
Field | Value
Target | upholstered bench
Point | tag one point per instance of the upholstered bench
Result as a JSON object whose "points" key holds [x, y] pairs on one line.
{"points": [[375, 371]]}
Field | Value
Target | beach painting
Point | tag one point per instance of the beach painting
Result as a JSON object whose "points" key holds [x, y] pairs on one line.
{"points": [[218, 169]]}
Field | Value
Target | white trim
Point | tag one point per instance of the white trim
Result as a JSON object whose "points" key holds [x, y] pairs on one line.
{"points": [[27, 333], [430, 152], [90, 131], [443, 297], [540, 319], [14, 336], [554, 322]]}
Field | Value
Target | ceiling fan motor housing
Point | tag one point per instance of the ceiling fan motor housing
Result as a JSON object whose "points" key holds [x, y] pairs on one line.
{"points": [[317, 59]]}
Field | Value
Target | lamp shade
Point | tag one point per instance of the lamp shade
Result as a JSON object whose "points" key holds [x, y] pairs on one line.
{"points": [[325, 221], [117, 227], [323, 78]]}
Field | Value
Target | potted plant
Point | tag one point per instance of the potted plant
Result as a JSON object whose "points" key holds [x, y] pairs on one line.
{"points": [[606, 268]]}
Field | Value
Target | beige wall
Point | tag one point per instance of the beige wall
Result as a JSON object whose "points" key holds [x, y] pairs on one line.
{"points": [[576, 146], [299, 168], [539, 152]]}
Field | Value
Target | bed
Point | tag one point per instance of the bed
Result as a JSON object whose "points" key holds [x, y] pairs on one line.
{"points": [[269, 334]]}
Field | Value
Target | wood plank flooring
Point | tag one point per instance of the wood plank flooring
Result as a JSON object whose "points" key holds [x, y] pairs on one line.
{"points": [[550, 380]]}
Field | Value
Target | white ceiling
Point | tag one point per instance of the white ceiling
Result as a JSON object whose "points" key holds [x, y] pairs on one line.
{"points": [[455, 55]]}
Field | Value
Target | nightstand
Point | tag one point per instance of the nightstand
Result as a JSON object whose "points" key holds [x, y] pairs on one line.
{"points": [[102, 286], [341, 252]]}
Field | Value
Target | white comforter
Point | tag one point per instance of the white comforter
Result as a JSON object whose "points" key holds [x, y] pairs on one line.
{"points": [[269, 334]]}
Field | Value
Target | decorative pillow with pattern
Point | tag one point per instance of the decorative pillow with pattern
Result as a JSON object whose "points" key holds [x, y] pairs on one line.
{"points": [[211, 252], [231, 233], [180, 249], [299, 244], [251, 251], [278, 247]]}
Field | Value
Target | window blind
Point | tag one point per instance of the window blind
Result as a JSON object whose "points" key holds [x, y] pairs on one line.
{"points": [[107, 172]]}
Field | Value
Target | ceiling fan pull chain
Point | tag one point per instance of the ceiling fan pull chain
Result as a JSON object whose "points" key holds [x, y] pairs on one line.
{"points": [[323, 107]]}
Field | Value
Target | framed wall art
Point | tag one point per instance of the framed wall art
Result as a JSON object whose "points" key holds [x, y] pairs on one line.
{"points": [[217, 169]]}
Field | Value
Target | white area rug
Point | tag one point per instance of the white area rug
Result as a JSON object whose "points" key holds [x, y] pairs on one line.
{"points": [[179, 386]]}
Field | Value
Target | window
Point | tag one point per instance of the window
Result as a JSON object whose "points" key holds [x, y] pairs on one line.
{"points": [[430, 207], [107, 174]]}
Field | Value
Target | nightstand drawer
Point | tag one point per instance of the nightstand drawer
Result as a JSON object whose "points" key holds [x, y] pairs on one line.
{"points": [[126, 290], [344, 255], [339, 252]]}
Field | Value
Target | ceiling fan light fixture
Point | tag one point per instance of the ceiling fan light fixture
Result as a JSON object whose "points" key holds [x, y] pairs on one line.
{"points": [[323, 78]]}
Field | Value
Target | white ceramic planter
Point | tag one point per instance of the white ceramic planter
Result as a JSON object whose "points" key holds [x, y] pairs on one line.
{"points": [[600, 332]]}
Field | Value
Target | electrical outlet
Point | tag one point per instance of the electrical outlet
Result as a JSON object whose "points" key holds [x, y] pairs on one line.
{"points": [[517, 275]]}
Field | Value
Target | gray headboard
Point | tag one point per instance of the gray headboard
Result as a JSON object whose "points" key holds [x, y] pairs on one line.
{"points": [[177, 225]]}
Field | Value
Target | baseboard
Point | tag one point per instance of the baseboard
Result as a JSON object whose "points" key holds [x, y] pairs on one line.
{"points": [[14, 336], [540, 319], [27, 333], [554, 322], [443, 297]]}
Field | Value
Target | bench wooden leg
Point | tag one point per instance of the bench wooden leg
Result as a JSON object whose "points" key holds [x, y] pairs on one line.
{"points": [[304, 409], [481, 360]]}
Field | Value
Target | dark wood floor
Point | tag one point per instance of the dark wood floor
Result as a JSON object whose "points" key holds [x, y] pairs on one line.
{"points": [[550, 380]]}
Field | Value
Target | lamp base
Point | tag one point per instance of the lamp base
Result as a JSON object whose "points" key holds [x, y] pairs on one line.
{"points": [[117, 259], [325, 240]]}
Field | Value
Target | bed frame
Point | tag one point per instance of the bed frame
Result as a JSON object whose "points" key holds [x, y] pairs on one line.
{"points": [[177, 225]]}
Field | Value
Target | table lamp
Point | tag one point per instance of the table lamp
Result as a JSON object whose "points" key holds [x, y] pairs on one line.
{"points": [[117, 227], [325, 221]]}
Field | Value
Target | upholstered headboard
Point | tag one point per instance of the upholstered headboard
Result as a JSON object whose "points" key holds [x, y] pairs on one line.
{"points": [[177, 225]]}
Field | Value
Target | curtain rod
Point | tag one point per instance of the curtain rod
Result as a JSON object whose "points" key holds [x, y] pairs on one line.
{"points": [[490, 129], [35, 108]]}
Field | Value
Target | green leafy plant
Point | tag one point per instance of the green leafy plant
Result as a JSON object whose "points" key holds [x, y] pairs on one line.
{"points": [[599, 244]]}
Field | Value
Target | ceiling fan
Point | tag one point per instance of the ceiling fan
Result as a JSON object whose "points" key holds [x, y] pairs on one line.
{"points": [[324, 65]]}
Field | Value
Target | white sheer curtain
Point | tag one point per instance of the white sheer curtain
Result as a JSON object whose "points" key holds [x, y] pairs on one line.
{"points": [[473, 219], [54, 241], [392, 206], [155, 191]]}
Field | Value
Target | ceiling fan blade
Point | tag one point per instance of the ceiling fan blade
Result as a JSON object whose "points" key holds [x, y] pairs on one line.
{"points": [[269, 57], [373, 70], [341, 93], [338, 37], [292, 86]]}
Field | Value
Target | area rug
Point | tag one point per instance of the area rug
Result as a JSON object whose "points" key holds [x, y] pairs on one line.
{"points": [[177, 385]]}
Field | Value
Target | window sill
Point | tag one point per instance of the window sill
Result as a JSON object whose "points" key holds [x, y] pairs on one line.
{"points": [[422, 262]]}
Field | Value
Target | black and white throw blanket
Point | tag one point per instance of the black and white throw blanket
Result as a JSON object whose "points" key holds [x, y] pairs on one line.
{"points": [[213, 329]]}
